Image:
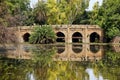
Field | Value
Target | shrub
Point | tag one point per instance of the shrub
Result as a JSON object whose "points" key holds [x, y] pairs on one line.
{"points": [[7, 35], [42, 34]]}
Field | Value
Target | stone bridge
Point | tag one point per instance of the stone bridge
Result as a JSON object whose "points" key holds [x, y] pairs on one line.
{"points": [[67, 33]]}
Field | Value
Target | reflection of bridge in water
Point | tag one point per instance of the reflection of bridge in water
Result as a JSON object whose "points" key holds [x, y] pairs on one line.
{"points": [[77, 52], [66, 52], [116, 48], [17, 52]]}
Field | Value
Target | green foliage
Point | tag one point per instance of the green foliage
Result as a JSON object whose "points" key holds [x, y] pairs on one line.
{"points": [[59, 12], [42, 34], [42, 55], [14, 69], [14, 12], [84, 18], [111, 58], [94, 15], [39, 13], [108, 17]]}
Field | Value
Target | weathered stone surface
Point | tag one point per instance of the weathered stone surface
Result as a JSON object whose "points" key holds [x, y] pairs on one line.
{"points": [[116, 39], [68, 31]]}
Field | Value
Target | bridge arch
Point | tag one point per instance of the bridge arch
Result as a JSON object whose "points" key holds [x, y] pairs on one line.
{"points": [[77, 37], [60, 37], [26, 37], [94, 37]]}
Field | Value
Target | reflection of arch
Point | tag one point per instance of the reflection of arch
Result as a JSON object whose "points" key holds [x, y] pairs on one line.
{"points": [[116, 39], [94, 48], [77, 37], [60, 49], [77, 48], [26, 37], [60, 37], [116, 48], [94, 37]]}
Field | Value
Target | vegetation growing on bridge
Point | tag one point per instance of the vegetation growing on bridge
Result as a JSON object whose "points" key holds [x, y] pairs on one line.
{"points": [[42, 34]]}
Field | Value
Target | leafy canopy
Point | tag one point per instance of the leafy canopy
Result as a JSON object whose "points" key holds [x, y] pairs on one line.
{"points": [[14, 12], [108, 17], [60, 11]]}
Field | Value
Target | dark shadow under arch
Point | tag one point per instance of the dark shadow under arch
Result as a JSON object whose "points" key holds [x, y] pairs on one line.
{"points": [[77, 48], [94, 37], [94, 48], [26, 37], [77, 37], [60, 37], [60, 49]]}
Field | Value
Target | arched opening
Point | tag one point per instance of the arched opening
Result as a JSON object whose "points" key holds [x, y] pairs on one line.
{"points": [[60, 49], [94, 37], [60, 37], [77, 48], [77, 37], [94, 48], [26, 37]]}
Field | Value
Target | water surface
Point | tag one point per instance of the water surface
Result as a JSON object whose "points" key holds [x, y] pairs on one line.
{"points": [[60, 62]]}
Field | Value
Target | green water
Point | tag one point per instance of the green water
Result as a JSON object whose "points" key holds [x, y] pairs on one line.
{"points": [[60, 62]]}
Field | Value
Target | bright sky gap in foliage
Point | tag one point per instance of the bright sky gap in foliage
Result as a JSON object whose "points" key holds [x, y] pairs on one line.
{"points": [[33, 2]]}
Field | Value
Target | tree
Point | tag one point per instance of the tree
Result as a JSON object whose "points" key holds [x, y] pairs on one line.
{"points": [[42, 34], [75, 8], [52, 12], [64, 11], [14, 12], [108, 17], [7, 35], [112, 17], [40, 13], [94, 15], [84, 18]]}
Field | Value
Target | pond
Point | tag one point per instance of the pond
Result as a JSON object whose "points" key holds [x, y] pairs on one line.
{"points": [[60, 62]]}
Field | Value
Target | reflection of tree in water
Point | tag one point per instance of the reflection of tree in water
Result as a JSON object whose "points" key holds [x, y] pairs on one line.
{"points": [[116, 48], [67, 71], [43, 54], [46, 69], [42, 57], [14, 69], [109, 66]]}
